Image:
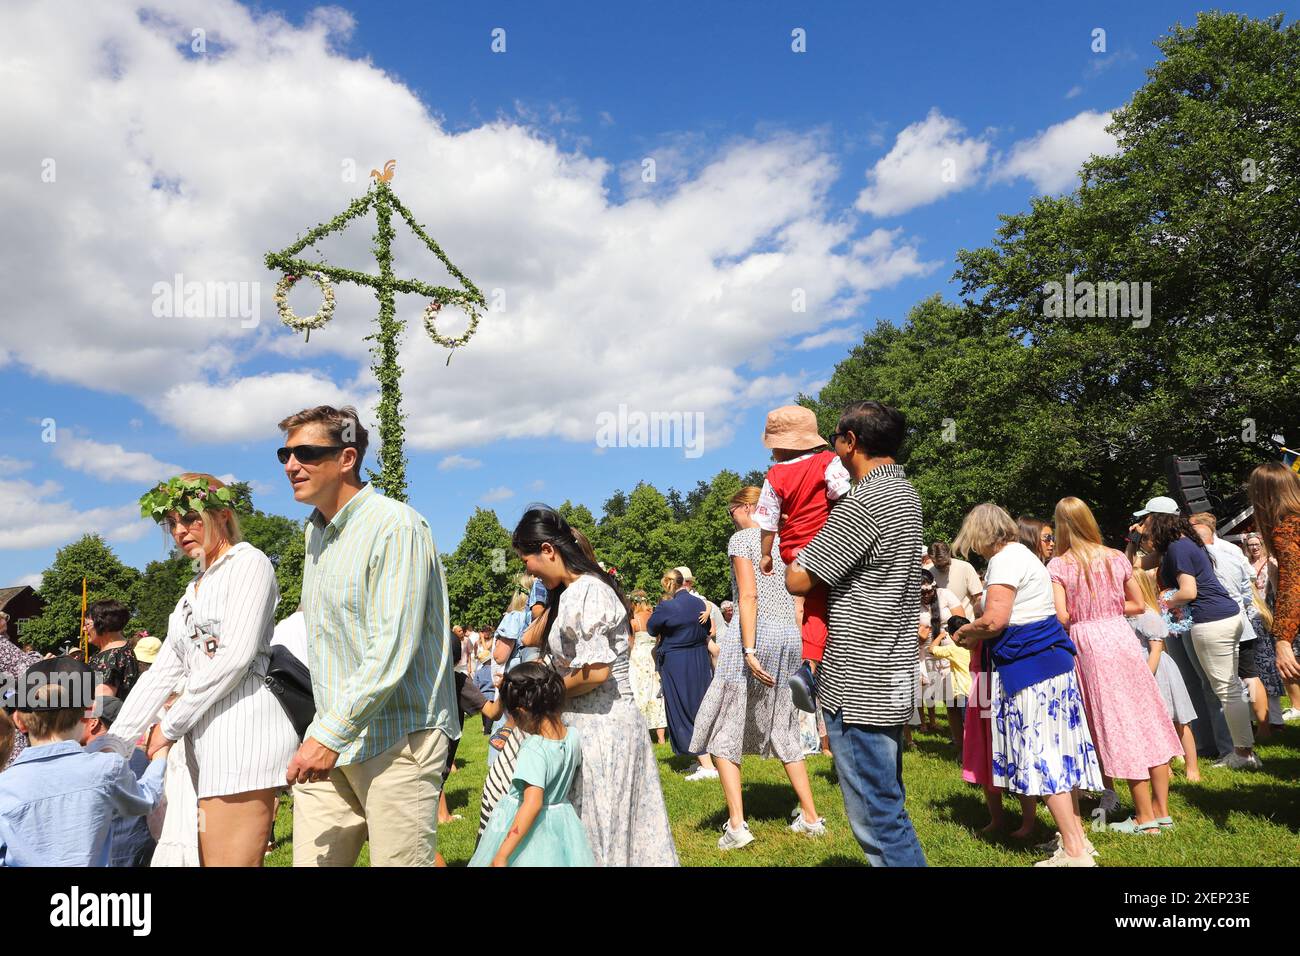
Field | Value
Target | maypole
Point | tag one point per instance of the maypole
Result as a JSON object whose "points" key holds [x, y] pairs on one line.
{"points": [[391, 479]]}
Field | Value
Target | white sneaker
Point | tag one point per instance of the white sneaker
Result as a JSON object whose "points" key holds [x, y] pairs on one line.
{"points": [[1054, 845], [703, 773], [1234, 761], [801, 825], [1291, 714], [735, 839], [1060, 859]]}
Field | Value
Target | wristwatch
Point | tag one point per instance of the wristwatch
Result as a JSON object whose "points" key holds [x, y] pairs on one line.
{"points": [[751, 650]]}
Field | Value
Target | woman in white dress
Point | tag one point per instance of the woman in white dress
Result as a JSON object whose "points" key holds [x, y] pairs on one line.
{"points": [[585, 629], [238, 738], [646, 691]]}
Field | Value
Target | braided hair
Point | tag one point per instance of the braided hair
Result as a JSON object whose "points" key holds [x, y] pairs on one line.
{"points": [[533, 691]]}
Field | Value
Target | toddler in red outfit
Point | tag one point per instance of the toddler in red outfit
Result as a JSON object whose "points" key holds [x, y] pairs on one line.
{"points": [[794, 503]]}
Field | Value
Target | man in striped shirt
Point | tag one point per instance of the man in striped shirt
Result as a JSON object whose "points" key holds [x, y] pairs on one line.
{"points": [[866, 553], [375, 599]]}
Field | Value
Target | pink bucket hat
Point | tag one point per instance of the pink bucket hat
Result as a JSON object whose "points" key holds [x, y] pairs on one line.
{"points": [[793, 427]]}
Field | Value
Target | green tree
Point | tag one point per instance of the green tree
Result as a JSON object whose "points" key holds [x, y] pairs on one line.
{"points": [[481, 571], [107, 579], [704, 535], [161, 586], [1202, 202], [580, 517], [1007, 400], [640, 541]]}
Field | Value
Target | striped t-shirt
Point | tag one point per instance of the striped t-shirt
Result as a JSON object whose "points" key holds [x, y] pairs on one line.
{"points": [[866, 553]]}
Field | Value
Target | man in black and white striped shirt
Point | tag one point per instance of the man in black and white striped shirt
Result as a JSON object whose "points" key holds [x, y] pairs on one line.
{"points": [[866, 553]]}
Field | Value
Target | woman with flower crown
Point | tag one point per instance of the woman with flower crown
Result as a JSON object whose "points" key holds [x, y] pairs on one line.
{"points": [[238, 737]]}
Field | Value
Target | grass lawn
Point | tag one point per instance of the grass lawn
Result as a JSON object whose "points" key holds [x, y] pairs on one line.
{"points": [[1231, 818]]}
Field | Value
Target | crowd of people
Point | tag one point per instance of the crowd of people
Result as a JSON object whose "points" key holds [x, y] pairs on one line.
{"points": [[1065, 666]]}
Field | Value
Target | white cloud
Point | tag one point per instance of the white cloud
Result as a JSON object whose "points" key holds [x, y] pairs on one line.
{"points": [[836, 336], [37, 517], [1073, 91], [30, 581], [500, 493], [455, 462], [1051, 159], [929, 160], [111, 462], [10, 465], [247, 407], [172, 163]]}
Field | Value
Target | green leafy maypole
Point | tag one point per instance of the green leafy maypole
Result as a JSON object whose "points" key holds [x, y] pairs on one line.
{"points": [[391, 479]]}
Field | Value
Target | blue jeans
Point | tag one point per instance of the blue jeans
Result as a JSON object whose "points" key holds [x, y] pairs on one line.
{"points": [[869, 763]]}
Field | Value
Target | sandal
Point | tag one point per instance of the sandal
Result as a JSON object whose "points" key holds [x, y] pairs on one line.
{"points": [[1131, 825]]}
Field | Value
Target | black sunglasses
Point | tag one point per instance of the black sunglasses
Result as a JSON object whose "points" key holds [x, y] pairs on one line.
{"points": [[836, 436], [307, 454]]}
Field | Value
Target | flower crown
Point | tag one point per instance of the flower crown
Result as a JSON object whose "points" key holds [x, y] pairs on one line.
{"points": [[183, 495]]}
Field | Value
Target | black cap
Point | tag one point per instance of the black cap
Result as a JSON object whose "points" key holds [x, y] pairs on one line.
{"points": [[71, 681], [107, 708]]}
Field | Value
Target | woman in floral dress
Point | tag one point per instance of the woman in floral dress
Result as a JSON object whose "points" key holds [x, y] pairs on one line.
{"points": [[645, 677], [1040, 740], [1135, 738], [585, 628]]}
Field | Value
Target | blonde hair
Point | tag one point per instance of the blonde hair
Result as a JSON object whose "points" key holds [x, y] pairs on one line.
{"points": [[1265, 614], [1079, 538], [987, 526], [746, 496], [1146, 581], [523, 585], [672, 581]]}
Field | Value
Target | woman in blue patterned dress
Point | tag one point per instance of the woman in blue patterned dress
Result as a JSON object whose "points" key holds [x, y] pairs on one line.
{"points": [[1041, 743]]}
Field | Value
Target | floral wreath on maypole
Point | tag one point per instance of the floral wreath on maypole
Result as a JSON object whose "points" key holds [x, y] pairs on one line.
{"points": [[305, 323], [380, 197]]}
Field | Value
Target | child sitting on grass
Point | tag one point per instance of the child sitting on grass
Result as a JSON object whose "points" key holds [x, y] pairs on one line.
{"points": [[58, 803]]}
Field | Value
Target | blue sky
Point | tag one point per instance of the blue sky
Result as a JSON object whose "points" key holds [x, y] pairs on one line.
{"points": [[685, 83]]}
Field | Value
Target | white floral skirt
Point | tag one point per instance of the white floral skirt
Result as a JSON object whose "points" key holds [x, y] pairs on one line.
{"points": [[1041, 743], [645, 681]]}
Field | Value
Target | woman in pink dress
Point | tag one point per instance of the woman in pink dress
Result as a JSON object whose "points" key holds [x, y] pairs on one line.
{"points": [[1135, 739]]}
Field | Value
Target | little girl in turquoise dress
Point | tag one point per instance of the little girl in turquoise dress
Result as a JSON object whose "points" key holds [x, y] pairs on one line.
{"points": [[534, 824]]}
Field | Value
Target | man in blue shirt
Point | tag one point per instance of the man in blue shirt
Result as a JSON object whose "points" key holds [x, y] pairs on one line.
{"points": [[57, 802]]}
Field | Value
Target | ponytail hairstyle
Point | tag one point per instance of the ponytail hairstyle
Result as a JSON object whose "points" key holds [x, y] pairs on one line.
{"points": [[532, 692], [544, 525]]}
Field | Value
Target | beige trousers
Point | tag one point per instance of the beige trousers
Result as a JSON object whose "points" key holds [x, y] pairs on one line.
{"points": [[1218, 648], [390, 799]]}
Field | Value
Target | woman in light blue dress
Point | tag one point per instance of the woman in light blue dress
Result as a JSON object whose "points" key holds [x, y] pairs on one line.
{"points": [[534, 824]]}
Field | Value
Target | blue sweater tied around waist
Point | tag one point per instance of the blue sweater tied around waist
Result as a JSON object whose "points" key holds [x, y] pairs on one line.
{"points": [[1028, 653]]}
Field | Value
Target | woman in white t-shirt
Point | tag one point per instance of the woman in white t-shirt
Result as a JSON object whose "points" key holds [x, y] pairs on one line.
{"points": [[1041, 743]]}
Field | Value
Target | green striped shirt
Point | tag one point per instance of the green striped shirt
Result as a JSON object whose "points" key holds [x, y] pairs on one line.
{"points": [[379, 647]]}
